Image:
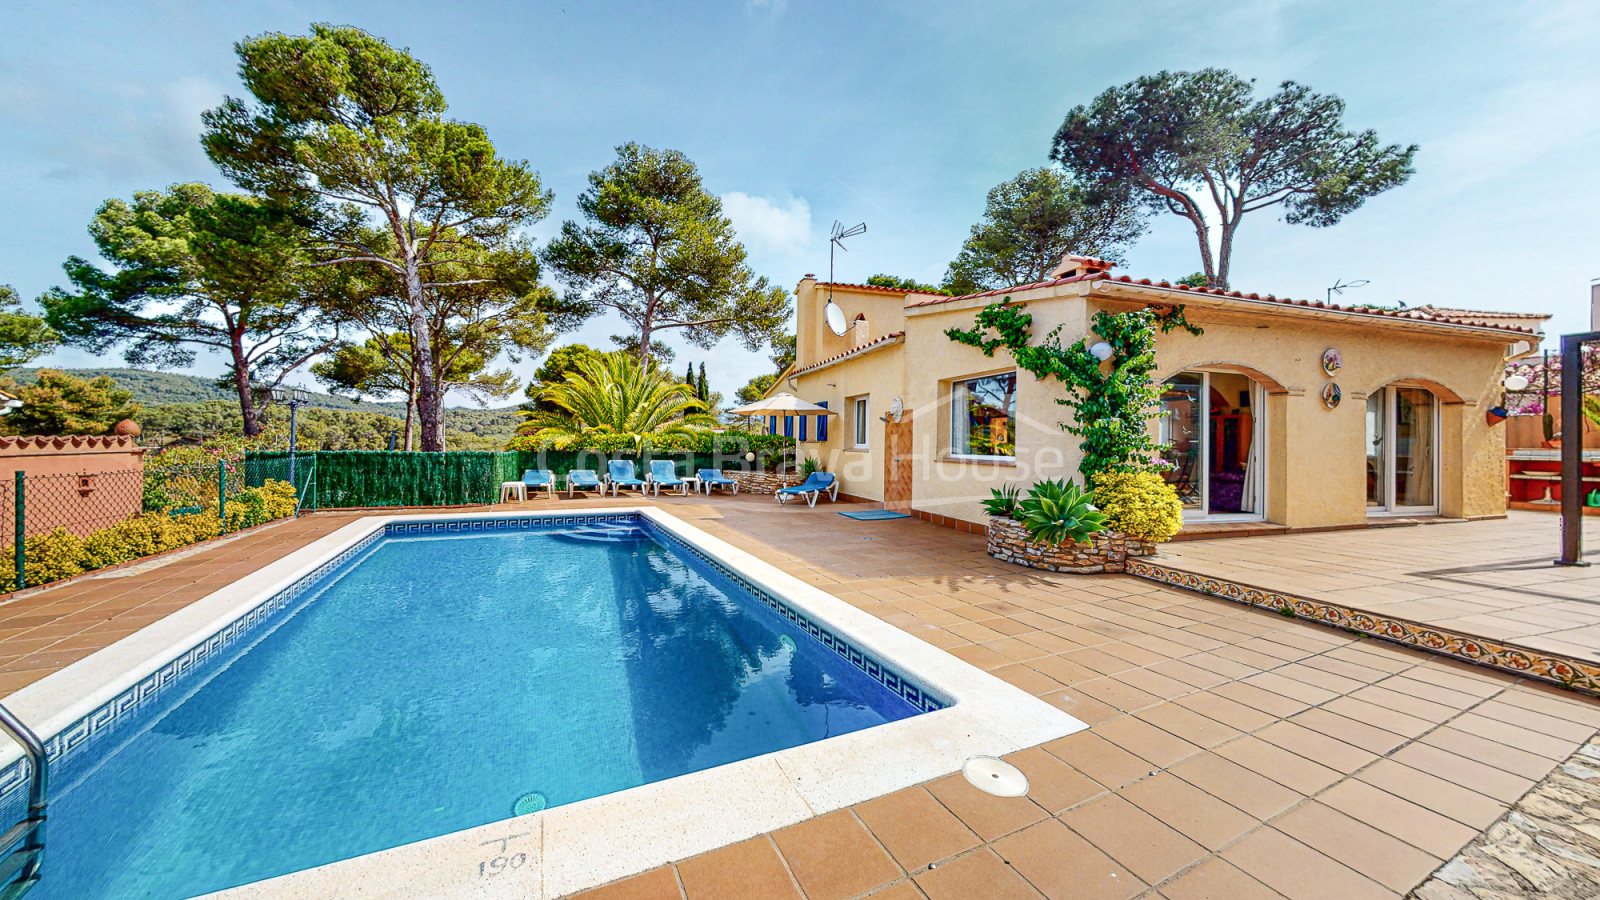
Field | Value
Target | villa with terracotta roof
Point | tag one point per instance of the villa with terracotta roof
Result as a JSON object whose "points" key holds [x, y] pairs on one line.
{"points": [[1295, 413]]}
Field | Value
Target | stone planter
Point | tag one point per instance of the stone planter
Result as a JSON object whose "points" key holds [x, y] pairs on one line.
{"points": [[1107, 551], [763, 482]]}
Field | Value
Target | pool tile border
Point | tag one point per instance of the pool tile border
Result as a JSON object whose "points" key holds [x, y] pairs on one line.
{"points": [[1555, 668]]}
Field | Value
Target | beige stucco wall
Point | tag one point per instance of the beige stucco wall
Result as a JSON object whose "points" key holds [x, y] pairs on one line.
{"points": [[1315, 457], [1316, 460]]}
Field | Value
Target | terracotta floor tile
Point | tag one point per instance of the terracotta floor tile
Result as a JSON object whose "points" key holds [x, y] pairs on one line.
{"points": [[1146, 741], [915, 828], [1299, 872], [1421, 828], [1195, 813], [1111, 691], [900, 890], [1467, 807], [1064, 670], [1468, 773], [1229, 712], [1053, 784], [1275, 705], [1237, 786], [1021, 676], [1383, 717], [1099, 759], [1366, 736], [834, 857], [1064, 866], [660, 884], [980, 656], [1288, 769], [1085, 709], [1315, 746], [987, 815], [1133, 838], [1197, 729], [1383, 858], [980, 874], [751, 870], [1216, 879], [1493, 753], [1570, 729]]}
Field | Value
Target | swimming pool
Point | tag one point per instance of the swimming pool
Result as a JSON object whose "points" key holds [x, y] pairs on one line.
{"points": [[428, 679]]}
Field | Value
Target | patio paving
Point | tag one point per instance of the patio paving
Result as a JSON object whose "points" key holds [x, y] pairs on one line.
{"points": [[1232, 752], [1493, 579]]}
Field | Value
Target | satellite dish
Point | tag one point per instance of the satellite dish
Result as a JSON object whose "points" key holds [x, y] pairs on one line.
{"points": [[835, 317]]}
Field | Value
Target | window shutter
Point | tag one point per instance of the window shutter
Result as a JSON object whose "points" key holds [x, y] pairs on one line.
{"points": [[822, 424], [803, 436], [788, 426], [772, 425]]}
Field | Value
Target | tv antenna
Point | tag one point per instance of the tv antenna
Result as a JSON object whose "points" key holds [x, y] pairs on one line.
{"points": [[1339, 287], [832, 313]]}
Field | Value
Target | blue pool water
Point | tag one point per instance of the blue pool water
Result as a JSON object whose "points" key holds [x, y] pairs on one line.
{"points": [[426, 688]]}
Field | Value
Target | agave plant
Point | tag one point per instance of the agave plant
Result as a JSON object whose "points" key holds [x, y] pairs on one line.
{"points": [[614, 393], [1057, 512], [1003, 501]]}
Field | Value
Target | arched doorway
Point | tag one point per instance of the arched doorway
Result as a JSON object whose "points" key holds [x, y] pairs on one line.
{"points": [[1402, 450], [1214, 422]]}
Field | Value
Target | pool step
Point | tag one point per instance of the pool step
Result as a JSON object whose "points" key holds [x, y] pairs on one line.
{"points": [[601, 534]]}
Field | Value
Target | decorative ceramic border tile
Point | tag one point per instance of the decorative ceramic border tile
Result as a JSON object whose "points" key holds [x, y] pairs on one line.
{"points": [[1566, 671]]}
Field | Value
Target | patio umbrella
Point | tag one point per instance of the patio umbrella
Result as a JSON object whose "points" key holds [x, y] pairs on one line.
{"points": [[783, 405]]}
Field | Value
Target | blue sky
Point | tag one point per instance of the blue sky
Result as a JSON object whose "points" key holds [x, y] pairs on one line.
{"points": [[899, 114]]}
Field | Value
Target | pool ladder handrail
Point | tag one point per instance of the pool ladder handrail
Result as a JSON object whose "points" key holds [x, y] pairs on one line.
{"points": [[30, 857]]}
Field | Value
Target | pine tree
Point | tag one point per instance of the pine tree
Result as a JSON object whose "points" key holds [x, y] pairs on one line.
{"points": [[688, 377], [701, 387]]}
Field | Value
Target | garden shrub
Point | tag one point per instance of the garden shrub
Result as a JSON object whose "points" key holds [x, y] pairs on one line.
{"points": [[62, 554], [1139, 504]]}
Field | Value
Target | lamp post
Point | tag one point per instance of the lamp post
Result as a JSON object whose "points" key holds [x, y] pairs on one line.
{"points": [[294, 398]]}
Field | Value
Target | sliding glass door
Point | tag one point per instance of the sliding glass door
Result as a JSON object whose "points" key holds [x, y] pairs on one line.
{"points": [[1213, 422], [1402, 451]]}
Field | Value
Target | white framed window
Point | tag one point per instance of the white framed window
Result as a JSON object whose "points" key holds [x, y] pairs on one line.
{"points": [[983, 414], [863, 423]]}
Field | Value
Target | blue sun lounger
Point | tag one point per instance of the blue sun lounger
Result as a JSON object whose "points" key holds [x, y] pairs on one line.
{"points": [[710, 478], [815, 485], [619, 474], [540, 478], [663, 474], [584, 480]]}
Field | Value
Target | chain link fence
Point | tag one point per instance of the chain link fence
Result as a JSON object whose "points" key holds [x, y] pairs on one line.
{"points": [[55, 525]]}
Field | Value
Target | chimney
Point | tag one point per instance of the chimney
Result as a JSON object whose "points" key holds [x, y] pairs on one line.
{"points": [[860, 331], [1594, 305], [1073, 265]]}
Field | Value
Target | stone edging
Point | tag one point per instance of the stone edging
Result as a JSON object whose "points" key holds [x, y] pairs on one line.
{"points": [[1107, 551], [763, 482], [1555, 668]]}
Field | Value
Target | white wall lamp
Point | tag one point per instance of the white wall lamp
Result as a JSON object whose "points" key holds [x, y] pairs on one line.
{"points": [[1101, 351]]}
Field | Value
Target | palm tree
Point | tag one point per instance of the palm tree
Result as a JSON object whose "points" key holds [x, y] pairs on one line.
{"points": [[614, 393]]}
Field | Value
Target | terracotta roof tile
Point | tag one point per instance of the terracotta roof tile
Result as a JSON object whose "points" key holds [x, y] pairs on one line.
{"points": [[881, 290], [891, 336], [1454, 317]]}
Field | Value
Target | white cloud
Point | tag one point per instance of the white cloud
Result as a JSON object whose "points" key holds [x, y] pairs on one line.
{"points": [[768, 227]]}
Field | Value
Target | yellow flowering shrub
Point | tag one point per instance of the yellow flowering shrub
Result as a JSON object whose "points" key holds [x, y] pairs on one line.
{"points": [[1139, 504], [62, 554]]}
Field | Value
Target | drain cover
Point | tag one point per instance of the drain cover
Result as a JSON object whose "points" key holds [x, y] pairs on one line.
{"points": [[528, 803], [995, 776]]}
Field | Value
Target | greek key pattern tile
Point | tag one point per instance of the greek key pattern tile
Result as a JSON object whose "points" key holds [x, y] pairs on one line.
{"points": [[920, 698], [1569, 672]]}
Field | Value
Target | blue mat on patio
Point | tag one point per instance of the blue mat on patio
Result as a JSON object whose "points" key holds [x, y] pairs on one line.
{"points": [[874, 514]]}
